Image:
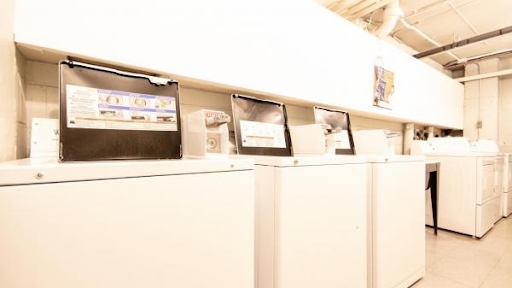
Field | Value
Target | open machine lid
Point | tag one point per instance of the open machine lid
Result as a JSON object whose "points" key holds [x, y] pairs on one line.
{"points": [[110, 114], [261, 126], [336, 122]]}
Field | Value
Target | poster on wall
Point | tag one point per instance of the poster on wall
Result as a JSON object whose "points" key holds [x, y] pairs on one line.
{"points": [[384, 87]]}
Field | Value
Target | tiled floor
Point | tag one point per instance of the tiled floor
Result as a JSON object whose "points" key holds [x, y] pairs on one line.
{"points": [[459, 261]]}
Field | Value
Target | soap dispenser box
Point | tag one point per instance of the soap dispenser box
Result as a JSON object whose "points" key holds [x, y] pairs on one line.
{"points": [[205, 135]]}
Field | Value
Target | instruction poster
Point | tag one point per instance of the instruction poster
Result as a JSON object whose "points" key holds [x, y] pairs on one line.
{"points": [[384, 87], [260, 134], [93, 108]]}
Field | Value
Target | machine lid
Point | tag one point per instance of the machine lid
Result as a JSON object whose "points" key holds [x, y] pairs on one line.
{"points": [[395, 158], [30, 171], [303, 160]]}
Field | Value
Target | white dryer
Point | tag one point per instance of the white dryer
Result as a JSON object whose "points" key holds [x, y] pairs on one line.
{"points": [[467, 202], [469, 198]]}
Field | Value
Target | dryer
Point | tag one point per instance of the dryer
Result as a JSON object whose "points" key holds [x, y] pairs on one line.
{"points": [[469, 198]]}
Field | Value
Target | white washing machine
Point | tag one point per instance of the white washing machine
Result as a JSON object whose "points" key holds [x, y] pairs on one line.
{"points": [[311, 222], [398, 220], [507, 186], [162, 223]]}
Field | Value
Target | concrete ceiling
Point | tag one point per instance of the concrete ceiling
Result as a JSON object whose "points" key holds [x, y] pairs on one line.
{"points": [[428, 24]]}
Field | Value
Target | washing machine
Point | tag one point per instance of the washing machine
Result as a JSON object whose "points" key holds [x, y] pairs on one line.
{"points": [[397, 211], [162, 223], [398, 220], [311, 221]]}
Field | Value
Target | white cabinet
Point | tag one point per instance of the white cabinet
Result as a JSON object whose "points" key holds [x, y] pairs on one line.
{"points": [[190, 224], [311, 216]]}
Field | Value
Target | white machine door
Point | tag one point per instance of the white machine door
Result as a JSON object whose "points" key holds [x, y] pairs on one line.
{"points": [[500, 168], [509, 174], [488, 181], [321, 226]]}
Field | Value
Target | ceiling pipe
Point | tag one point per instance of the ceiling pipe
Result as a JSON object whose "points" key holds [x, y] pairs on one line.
{"points": [[426, 37], [392, 13], [339, 6], [368, 10], [358, 7], [465, 42], [477, 58], [484, 76]]}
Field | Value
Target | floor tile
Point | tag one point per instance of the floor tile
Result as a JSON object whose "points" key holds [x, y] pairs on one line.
{"points": [[498, 279], [432, 280], [457, 260]]}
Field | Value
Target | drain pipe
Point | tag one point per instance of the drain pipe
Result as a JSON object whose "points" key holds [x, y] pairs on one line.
{"points": [[392, 13]]}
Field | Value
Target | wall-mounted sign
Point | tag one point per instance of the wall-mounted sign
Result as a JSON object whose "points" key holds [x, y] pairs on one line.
{"points": [[384, 87]]}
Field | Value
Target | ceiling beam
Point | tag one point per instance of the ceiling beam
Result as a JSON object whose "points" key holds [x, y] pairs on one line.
{"points": [[465, 42]]}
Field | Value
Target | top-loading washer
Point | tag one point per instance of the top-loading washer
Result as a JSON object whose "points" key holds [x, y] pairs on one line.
{"points": [[166, 223], [311, 221]]}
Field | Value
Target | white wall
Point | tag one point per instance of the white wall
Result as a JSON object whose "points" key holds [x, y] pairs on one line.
{"points": [[481, 102], [42, 101], [10, 85], [295, 50], [505, 115]]}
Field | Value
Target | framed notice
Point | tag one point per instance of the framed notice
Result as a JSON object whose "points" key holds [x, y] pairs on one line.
{"points": [[384, 87]]}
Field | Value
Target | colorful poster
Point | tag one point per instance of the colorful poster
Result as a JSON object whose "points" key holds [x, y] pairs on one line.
{"points": [[384, 87], [92, 108]]}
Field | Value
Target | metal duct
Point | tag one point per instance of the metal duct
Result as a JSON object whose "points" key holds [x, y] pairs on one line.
{"points": [[392, 13]]}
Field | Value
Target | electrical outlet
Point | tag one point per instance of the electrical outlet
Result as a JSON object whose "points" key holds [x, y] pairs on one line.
{"points": [[479, 124]]}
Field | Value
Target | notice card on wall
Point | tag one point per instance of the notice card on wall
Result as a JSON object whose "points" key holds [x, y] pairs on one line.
{"points": [[384, 87]]}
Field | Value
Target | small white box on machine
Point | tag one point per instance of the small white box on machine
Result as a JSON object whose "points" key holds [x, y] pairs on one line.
{"points": [[206, 133], [44, 141]]}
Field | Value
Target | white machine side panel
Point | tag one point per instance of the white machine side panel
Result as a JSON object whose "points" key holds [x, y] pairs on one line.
{"points": [[457, 194], [507, 204], [398, 223], [321, 222], [184, 231], [265, 226]]}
